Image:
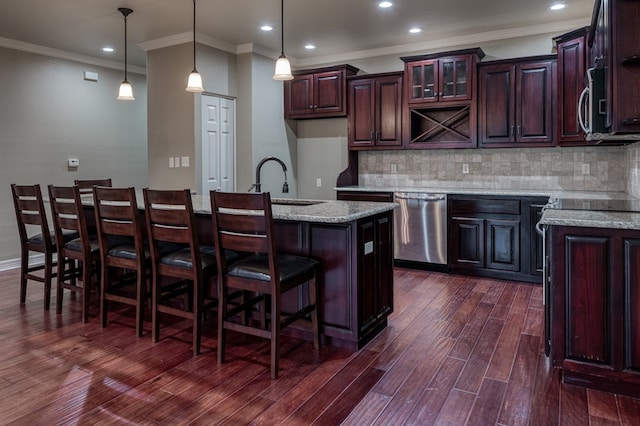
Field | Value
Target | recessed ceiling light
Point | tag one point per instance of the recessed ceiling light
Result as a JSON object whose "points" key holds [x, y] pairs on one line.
{"points": [[415, 30], [309, 46], [108, 49], [557, 6], [385, 4], [266, 28]]}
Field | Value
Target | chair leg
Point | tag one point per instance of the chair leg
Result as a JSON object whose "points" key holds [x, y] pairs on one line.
{"points": [[197, 316], [59, 281], [48, 275], [86, 291], [141, 285], [24, 266], [275, 335], [222, 315], [104, 284], [313, 298]]}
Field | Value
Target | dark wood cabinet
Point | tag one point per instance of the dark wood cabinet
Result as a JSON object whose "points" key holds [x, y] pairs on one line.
{"points": [[375, 111], [318, 93], [495, 236], [356, 293], [445, 78], [386, 197], [572, 68], [439, 103], [613, 39], [595, 315], [516, 102]]}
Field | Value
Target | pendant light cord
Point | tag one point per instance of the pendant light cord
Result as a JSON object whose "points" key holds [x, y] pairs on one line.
{"points": [[125, 47], [282, 29], [194, 35]]}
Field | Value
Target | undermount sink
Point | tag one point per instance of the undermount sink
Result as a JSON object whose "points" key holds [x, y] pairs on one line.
{"points": [[294, 202]]}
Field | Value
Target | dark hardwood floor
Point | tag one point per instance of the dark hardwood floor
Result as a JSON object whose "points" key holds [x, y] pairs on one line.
{"points": [[458, 350]]}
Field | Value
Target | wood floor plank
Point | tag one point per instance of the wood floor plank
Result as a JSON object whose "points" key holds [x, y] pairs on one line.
{"points": [[56, 370]]}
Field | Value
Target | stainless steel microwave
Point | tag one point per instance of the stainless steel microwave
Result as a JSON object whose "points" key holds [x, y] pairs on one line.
{"points": [[592, 110]]}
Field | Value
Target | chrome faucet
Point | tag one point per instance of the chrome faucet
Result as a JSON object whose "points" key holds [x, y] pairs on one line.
{"points": [[258, 186]]}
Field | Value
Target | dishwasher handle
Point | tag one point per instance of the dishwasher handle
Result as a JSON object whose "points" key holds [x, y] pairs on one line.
{"points": [[422, 197]]}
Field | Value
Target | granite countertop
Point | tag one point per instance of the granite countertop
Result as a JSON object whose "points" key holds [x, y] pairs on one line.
{"points": [[585, 214], [323, 211], [294, 209], [552, 193]]}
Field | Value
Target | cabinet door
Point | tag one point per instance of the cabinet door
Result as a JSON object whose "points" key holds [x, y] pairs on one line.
{"points": [[455, 78], [466, 242], [571, 82], [388, 111], [588, 332], [328, 92], [503, 244], [361, 113], [298, 97], [384, 255], [534, 103], [535, 249], [496, 104], [423, 83], [631, 306], [367, 285]]}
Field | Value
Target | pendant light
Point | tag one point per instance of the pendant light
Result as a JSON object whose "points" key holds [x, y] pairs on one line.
{"points": [[194, 83], [126, 92], [283, 67]]}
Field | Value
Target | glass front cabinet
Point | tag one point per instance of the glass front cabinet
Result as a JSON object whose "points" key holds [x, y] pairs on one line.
{"points": [[441, 79]]}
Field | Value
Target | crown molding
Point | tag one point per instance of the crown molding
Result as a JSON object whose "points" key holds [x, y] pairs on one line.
{"points": [[187, 37], [70, 56], [471, 39]]}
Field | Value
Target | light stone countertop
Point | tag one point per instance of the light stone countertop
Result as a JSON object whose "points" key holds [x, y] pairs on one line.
{"points": [[590, 219], [322, 211], [594, 195], [551, 215]]}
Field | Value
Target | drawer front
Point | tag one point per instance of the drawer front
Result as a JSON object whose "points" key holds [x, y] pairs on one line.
{"points": [[484, 205]]}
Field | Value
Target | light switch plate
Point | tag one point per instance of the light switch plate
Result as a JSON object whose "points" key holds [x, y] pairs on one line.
{"points": [[185, 161]]}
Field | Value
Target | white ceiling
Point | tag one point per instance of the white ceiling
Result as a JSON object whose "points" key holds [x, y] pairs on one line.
{"points": [[338, 28]]}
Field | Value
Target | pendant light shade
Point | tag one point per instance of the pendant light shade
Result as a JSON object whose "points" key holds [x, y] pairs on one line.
{"points": [[283, 67], [194, 83], [126, 91]]}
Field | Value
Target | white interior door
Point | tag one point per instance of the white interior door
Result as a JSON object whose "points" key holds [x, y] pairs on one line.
{"points": [[218, 144]]}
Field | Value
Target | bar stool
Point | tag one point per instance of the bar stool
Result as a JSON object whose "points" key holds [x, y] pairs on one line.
{"points": [[124, 259], [83, 252], [170, 220], [30, 214], [244, 223], [86, 185]]}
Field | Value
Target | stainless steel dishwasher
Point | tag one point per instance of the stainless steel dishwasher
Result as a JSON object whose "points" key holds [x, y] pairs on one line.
{"points": [[420, 228]]}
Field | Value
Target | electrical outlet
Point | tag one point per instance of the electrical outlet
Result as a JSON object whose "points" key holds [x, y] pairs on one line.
{"points": [[394, 168], [171, 166], [318, 182], [465, 168], [185, 161], [586, 169]]}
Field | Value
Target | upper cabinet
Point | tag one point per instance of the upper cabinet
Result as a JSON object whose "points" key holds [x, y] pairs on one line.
{"points": [[439, 107], [318, 93], [613, 39], [439, 80], [375, 111], [516, 99], [572, 60]]}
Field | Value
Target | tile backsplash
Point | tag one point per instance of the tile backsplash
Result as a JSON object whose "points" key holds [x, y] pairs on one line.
{"points": [[633, 167], [593, 168]]}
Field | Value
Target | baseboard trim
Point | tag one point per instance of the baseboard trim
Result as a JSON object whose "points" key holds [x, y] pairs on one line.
{"points": [[9, 264]]}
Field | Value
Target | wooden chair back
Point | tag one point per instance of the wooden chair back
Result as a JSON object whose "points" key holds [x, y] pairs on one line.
{"points": [[86, 185]]}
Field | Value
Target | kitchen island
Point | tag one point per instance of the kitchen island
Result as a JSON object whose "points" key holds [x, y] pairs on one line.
{"points": [[353, 241]]}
